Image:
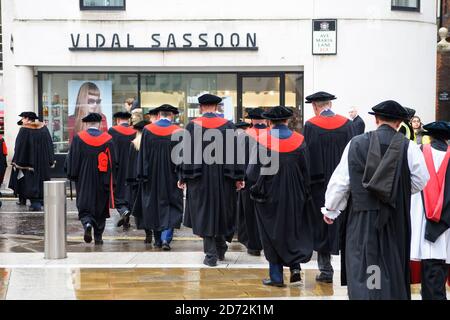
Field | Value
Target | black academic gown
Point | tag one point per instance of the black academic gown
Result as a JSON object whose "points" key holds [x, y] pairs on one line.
{"points": [[283, 204], [162, 200], [33, 155], [90, 163], [326, 137], [122, 135], [248, 233], [211, 190], [378, 223], [134, 191], [358, 125]]}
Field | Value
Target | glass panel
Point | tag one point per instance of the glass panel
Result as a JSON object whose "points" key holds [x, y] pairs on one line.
{"points": [[103, 3], [67, 98], [405, 3], [182, 91], [260, 92], [294, 98]]}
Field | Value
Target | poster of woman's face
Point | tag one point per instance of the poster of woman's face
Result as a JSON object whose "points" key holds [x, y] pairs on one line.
{"points": [[87, 97]]}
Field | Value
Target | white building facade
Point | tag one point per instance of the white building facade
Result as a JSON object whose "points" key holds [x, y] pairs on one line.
{"points": [[252, 53]]}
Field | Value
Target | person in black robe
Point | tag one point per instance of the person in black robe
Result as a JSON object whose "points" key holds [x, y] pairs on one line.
{"points": [[379, 171], [90, 164], [210, 179], [32, 160], [326, 136], [134, 189], [406, 127], [283, 198], [122, 135], [430, 218], [162, 200], [358, 123], [16, 184], [248, 233]]}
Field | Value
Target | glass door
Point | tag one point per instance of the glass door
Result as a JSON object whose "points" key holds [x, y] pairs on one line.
{"points": [[260, 91]]}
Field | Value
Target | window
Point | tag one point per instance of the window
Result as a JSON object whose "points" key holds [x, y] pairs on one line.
{"points": [[102, 4], [67, 97], [406, 5]]}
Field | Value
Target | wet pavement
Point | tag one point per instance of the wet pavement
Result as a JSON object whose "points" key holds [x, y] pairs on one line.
{"points": [[23, 231]]}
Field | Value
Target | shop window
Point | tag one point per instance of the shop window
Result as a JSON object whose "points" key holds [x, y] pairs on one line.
{"points": [[183, 89], [67, 98], [406, 5], [102, 4]]}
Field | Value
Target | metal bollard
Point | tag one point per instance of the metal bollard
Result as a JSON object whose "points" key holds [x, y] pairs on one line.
{"points": [[55, 208]]}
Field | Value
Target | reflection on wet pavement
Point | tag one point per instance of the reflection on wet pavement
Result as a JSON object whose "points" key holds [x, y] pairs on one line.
{"points": [[23, 231], [178, 283]]}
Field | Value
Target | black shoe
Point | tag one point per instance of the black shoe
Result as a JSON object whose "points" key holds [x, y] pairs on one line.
{"points": [[221, 256], [210, 262], [148, 240], [157, 245], [88, 234], [268, 282], [35, 208], [254, 252], [323, 278], [21, 203], [295, 276], [165, 246], [98, 242], [124, 218]]}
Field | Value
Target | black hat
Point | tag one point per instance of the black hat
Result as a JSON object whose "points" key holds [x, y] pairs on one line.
{"points": [[122, 115], [255, 113], [141, 124], [166, 108], [209, 99], [242, 125], [153, 112], [28, 114], [92, 117], [438, 129], [391, 110], [278, 113], [411, 112], [320, 96]]}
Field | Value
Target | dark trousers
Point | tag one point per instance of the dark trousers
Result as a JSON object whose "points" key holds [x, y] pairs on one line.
{"points": [[214, 247], [434, 277], [276, 272], [324, 262], [36, 203], [156, 234], [97, 224]]}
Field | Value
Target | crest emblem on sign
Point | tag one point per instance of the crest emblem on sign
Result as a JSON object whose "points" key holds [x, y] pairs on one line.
{"points": [[324, 26]]}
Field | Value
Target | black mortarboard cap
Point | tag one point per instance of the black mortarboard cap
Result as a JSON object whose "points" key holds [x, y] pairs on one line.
{"points": [[28, 114], [209, 99], [278, 113], [141, 124], [438, 129], [255, 113], [166, 108], [92, 117], [320, 96], [391, 110], [122, 115], [242, 125], [411, 112]]}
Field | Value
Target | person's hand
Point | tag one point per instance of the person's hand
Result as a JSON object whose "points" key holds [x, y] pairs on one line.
{"points": [[328, 220], [181, 185], [240, 185]]}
